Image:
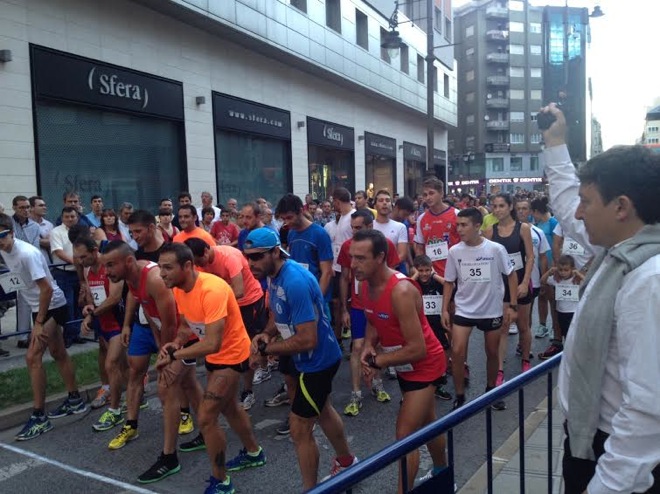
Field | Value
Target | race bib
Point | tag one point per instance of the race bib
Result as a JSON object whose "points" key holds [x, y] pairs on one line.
{"points": [[284, 330], [356, 285], [437, 251], [335, 250], [567, 292], [11, 282], [515, 261], [432, 305], [142, 317], [572, 248], [398, 368], [198, 328], [475, 272], [98, 294]]}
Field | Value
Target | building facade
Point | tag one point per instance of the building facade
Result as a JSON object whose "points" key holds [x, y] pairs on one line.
{"points": [[138, 100], [651, 136], [503, 53]]}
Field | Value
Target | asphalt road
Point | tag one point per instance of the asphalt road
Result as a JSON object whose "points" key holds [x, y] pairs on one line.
{"points": [[74, 458]]}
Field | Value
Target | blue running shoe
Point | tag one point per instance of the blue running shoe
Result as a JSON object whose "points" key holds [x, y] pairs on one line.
{"points": [[245, 460], [217, 487], [68, 407], [34, 427]]}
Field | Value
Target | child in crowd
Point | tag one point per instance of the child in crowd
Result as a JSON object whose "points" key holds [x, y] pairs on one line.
{"points": [[432, 286], [565, 279]]}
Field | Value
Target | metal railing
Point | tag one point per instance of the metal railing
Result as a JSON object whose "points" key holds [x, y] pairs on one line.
{"points": [[397, 451]]}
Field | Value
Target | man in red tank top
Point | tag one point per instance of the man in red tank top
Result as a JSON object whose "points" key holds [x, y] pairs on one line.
{"points": [[396, 321], [101, 304], [148, 291]]}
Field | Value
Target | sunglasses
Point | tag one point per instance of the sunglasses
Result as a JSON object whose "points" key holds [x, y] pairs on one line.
{"points": [[4, 233], [256, 256]]}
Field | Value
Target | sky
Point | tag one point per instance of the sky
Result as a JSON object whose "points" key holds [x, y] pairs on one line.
{"points": [[623, 62]]}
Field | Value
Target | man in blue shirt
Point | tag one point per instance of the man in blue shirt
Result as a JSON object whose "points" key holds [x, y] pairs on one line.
{"points": [[94, 216], [298, 316]]}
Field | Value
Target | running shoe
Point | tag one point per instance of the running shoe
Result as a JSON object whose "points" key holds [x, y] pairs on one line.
{"points": [[107, 421], [279, 398], [196, 444], [144, 404], [390, 373], [354, 406], [498, 405], [541, 331], [186, 425], [346, 333], [102, 398], [500, 378], [513, 328], [246, 460], [247, 400], [217, 487], [526, 365], [164, 467], [273, 365], [458, 402], [68, 407], [284, 429], [126, 434], [261, 375], [519, 351], [554, 349], [34, 427], [379, 392], [441, 393], [337, 468]]}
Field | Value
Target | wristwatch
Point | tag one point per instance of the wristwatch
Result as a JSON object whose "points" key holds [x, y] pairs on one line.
{"points": [[170, 352], [371, 361], [261, 346], [514, 307]]}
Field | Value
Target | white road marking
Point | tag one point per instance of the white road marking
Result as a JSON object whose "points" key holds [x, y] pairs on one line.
{"points": [[266, 423], [90, 475], [16, 468]]}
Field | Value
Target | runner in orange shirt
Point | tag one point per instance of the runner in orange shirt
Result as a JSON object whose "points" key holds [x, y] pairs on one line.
{"points": [[187, 218], [229, 264], [208, 308]]}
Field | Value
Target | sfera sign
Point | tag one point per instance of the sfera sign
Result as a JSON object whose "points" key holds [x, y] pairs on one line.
{"points": [[333, 135], [329, 134], [65, 78], [112, 85]]}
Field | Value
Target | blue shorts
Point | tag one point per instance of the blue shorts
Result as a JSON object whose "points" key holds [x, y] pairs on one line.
{"points": [[106, 335], [142, 341], [358, 324]]}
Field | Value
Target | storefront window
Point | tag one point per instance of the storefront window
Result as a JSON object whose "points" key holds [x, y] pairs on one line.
{"points": [[414, 170], [118, 156], [380, 162], [329, 169], [251, 166]]}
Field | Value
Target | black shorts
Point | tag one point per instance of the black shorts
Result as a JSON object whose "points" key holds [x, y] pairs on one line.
{"points": [[286, 366], [255, 316], [61, 315], [313, 391], [336, 283], [240, 368], [564, 319], [527, 299], [406, 386], [535, 292], [485, 325], [441, 335]]}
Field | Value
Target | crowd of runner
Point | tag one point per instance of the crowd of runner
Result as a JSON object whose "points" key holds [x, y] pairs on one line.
{"points": [[394, 284]]}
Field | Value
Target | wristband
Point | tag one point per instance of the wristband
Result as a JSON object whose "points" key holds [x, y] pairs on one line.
{"points": [[371, 362], [170, 352], [261, 346]]}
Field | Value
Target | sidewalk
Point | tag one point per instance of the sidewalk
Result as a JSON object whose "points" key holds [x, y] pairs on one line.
{"points": [[506, 462]]}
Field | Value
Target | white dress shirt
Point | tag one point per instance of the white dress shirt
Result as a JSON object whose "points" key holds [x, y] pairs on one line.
{"points": [[630, 401]]}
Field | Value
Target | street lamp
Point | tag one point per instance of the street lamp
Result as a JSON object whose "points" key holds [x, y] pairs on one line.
{"points": [[392, 43]]}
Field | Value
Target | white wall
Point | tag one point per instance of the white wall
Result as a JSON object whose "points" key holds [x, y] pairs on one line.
{"points": [[127, 34]]}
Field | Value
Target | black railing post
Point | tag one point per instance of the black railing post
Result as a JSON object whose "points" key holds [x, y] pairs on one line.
{"points": [[521, 437], [489, 448], [404, 474], [550, 431]]}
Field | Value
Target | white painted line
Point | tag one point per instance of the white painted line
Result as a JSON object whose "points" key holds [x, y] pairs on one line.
{"points": [[15, 468], [90, 475]]}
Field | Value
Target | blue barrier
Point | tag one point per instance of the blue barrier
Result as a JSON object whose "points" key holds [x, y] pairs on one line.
{"points": [[444, 483]]}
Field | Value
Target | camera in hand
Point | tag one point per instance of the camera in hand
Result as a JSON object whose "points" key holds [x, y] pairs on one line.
{"points": [[544, 120]]}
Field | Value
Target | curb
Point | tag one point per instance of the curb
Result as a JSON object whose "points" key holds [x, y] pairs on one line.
{"points": [[478, 483]]}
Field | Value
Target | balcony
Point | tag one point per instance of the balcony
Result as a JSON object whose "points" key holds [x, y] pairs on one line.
{"points": [[497, 12], [497, 103], [497, 58], [497, 125], [497, 80], [497, 35]]}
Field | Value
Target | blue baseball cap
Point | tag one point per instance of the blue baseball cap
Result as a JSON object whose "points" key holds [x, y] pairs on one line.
{"points": [[263, 238]]}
